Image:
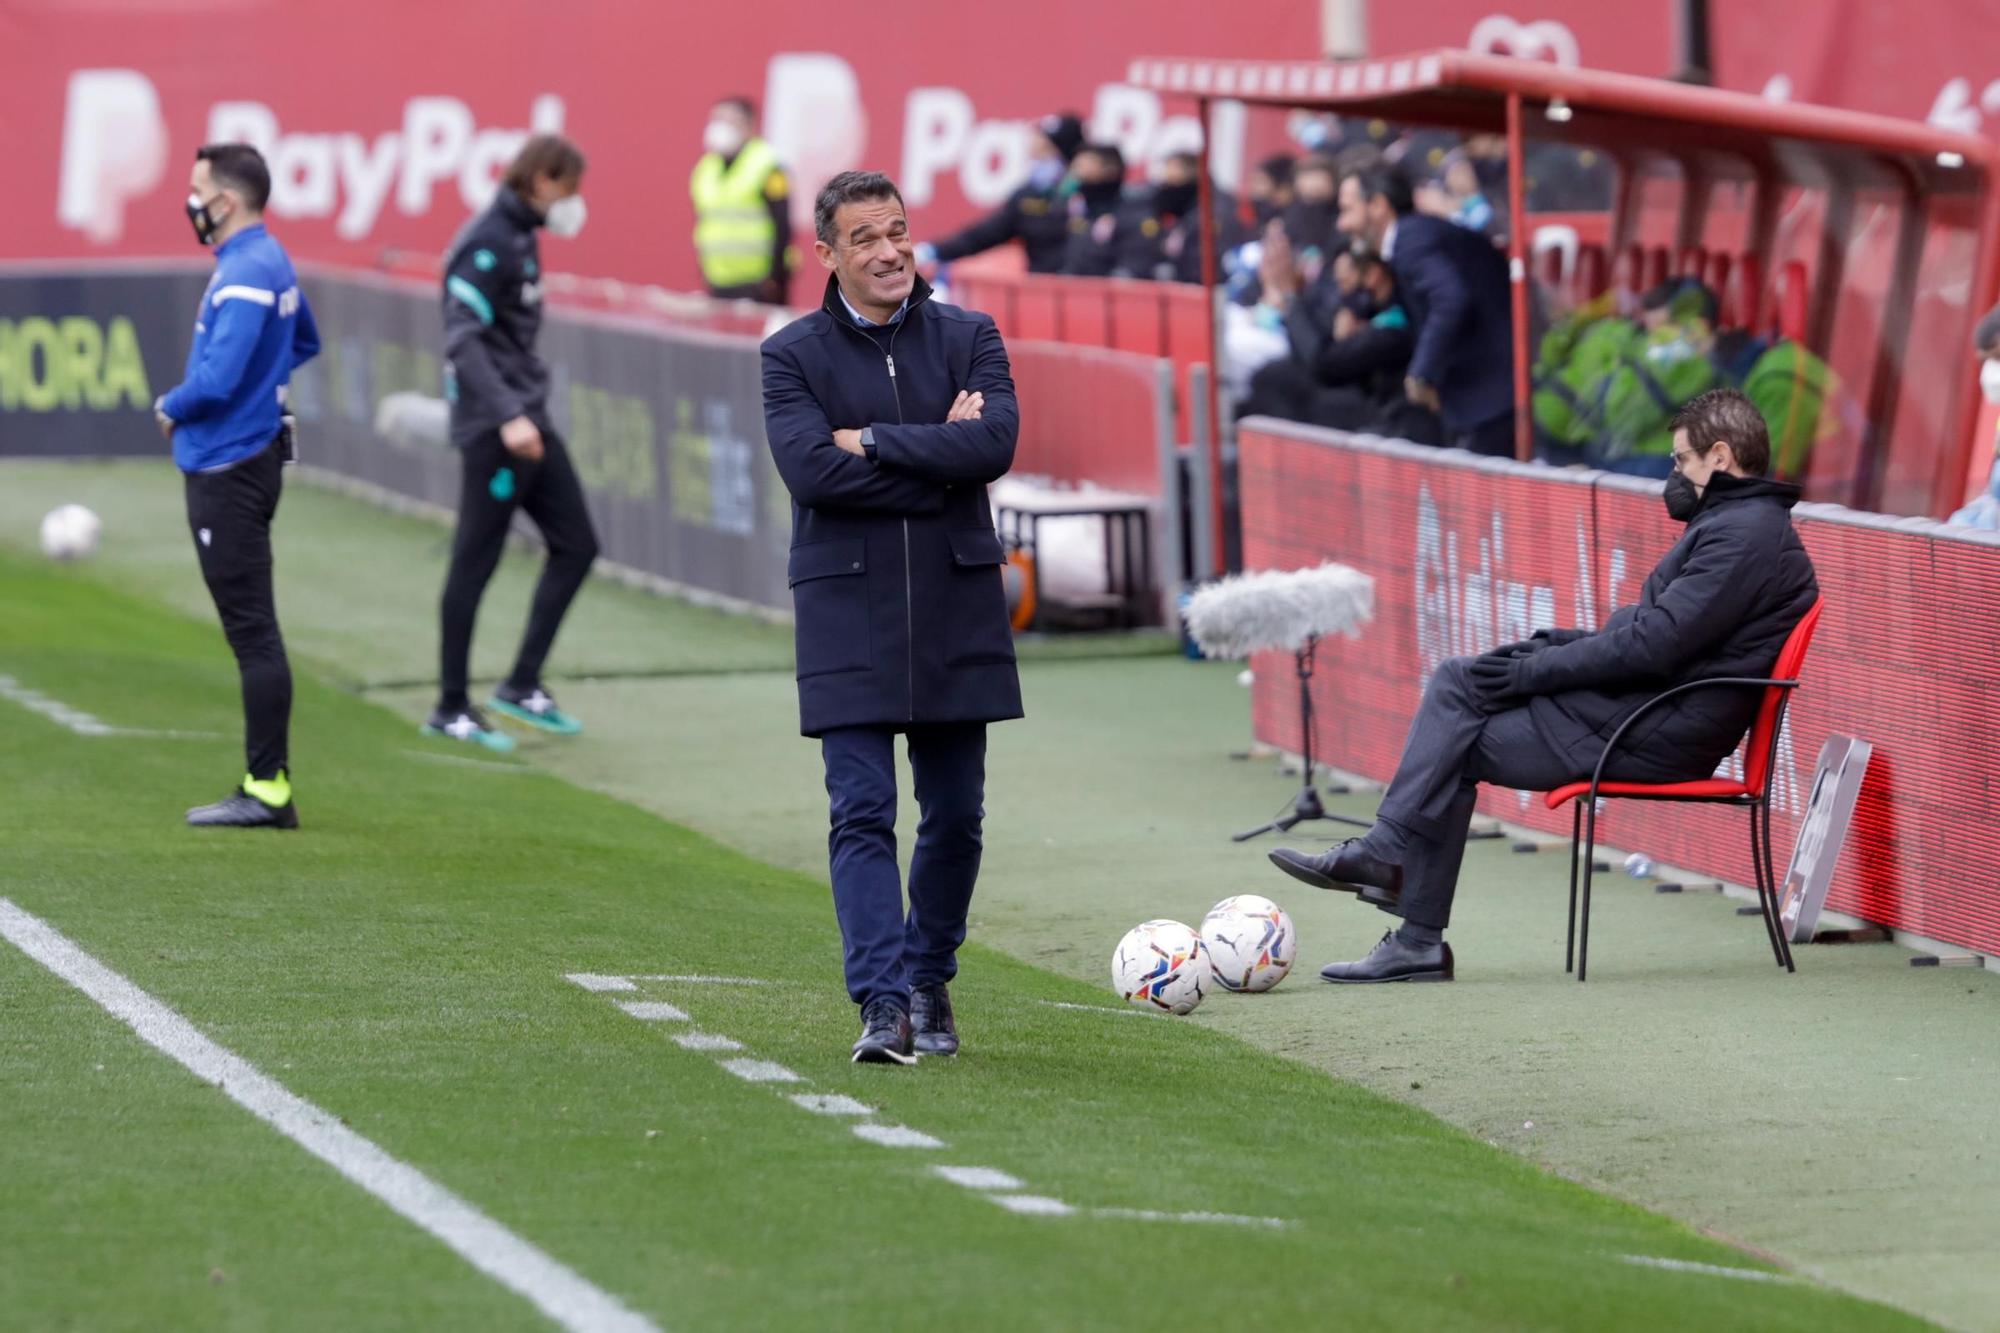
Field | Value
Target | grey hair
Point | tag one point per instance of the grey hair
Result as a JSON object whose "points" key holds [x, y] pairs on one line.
{"points": [[849, 187]]}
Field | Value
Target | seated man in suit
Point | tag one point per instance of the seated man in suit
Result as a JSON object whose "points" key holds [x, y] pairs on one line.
{"points": [[1537, 714], [1454, 284]]}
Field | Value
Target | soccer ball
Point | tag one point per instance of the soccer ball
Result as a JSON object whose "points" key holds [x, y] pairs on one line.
{"points": [[69, 532], [1162, 964], [1250, 942]]}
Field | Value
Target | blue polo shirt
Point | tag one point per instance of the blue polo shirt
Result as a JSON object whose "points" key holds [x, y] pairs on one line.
{"points": [[253, 329]]}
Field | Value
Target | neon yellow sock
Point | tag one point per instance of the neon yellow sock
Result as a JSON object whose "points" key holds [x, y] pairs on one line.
{"points": [[274, 792]]}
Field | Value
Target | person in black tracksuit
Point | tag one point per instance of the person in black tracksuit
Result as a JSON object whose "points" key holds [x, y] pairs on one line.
{"points": [[1537, 715], [1104, 216], [1036, 214], [512, 455]]}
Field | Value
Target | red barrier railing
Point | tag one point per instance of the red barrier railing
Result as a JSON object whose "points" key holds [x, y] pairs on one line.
{"points": [[1168, 319], [1467, 554], [1091, 415]]}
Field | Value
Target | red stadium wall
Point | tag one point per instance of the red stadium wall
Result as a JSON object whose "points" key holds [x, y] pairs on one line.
{"points": [[1468, 554]]}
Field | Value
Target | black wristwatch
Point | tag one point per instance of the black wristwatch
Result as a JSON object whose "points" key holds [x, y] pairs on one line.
{"points": [[868, 442]]}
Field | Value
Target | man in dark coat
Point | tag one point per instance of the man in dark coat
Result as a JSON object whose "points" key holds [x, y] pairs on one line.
{"points": [[888, 413], [1536, 715], [1454, 284], [1036, 214]]}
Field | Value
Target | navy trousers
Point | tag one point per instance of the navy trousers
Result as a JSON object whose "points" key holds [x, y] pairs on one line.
{"points": [[887, 949]]}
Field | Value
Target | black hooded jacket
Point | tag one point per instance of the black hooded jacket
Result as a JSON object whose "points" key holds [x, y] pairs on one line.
{"points": [[1720, 603]]}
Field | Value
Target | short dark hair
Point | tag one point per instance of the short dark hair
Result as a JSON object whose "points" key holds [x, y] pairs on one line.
{"points": [[740, 103], [548, 155], [849, 187], [238, 167], [1986, 338], [1727, 416], [1278, 167], [1315, 162], [1110, 152], [1186, 157], [1386, 182]]}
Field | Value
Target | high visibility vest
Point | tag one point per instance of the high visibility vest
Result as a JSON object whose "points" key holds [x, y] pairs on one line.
{"points": [[734, 234]]}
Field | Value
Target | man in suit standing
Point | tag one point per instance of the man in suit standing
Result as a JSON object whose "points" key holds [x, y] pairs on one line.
{"points": [[1454, 284], [888, 414]]}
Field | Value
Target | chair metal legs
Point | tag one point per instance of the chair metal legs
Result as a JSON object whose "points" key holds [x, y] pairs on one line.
{"points": [[1767, 884], [1575, 846], [1589, 865]]}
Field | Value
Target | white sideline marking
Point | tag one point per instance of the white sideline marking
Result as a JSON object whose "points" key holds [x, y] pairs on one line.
{"points": [[761, 1071], [896, 1136], [557, 1291], [706, 1041], [978, 1177], [696, 979], [1711, 1270], [822, 1104], [1040, 1205], [1226, 1219], [82, 723], [1099, 1009], [592, 981], [654, 1011]]}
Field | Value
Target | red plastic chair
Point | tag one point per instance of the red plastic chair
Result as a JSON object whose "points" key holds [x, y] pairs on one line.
{"points": [[1753, 792]]}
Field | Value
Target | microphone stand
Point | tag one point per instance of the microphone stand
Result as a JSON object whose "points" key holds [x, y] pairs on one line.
{"points": [[1306, 805]]}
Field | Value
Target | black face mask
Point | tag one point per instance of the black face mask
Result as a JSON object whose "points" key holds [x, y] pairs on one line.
{"points": [[1681, 498], [1100, 194], [204, 225], [1312, 225], [1263, 210], [1176, 201]]}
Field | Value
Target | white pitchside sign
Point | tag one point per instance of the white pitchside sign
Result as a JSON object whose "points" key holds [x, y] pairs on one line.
{"points": [[1843, 762]]}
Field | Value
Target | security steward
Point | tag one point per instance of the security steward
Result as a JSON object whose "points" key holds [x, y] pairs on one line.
{"points": [[1036, 214], [888, 413], [1105, 218], [231, 438], [742, 209], [510, 453]]}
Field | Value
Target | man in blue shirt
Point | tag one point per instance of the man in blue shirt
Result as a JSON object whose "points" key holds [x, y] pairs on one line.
{"points": [[231, 437]]}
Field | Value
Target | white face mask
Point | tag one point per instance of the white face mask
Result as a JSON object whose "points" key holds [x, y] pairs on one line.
{"points": [[721, 137], [1989, 380], [566, 216]]}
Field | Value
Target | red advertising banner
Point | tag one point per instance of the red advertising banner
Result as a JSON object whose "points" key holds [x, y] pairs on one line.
{"points": [[1467, 554]]}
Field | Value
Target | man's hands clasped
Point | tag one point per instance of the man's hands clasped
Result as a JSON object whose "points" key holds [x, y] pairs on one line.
{"points": [[968, 406]]}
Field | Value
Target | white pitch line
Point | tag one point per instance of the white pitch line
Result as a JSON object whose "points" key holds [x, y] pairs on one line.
{"points": [[591, 981], [1099, 1009], [760, 1071], [706, 1041], [978, 1177], [1037, 1205], [654, 1011], [1224, 1219], [554, 1289], [830, 1104], [896, 1136], [1710, 1270], [82, 723], [696, 979]]}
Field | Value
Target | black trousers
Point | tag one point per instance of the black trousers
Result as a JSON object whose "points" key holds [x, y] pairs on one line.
{"points": [[1494, 439], [229, 513], [495, 483], [1455, 745]]}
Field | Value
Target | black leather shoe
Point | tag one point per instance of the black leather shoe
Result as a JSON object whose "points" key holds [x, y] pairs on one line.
{"points": [[1346, 867], [1393, 960], [930, 1017], [885, 1035], [240, 809]]}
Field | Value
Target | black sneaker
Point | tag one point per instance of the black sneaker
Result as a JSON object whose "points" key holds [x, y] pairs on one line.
{"points": [[930, 1018], [240, 809], [885, 1035], [467, 724]]}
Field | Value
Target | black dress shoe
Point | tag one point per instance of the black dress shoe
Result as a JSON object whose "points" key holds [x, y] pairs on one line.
{"points": [[1346, 867], [1393, 960], [240, 809], [885, 1035], [930, 1017]]}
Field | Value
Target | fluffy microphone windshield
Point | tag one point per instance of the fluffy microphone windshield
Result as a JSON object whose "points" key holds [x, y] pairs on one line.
{"points": [[1248, 613]]}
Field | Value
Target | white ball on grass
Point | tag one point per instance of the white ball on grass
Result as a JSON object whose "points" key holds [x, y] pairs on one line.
{"points": [[70, 532], [1161, 965], [1250, 942]]}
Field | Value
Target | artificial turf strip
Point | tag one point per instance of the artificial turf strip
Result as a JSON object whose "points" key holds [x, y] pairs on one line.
{"points": [[401, 961]]}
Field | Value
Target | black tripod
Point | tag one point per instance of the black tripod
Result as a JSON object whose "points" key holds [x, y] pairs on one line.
{"points": [[1306, 805]]}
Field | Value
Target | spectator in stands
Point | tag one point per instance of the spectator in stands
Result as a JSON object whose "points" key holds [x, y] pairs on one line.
{"points": [[1984, 511], [1347, 375], [1036, 214], [1167, 242], [1455, 288], [1102, 214], [1536, 715], [1606, 388], [1312, 221], [1270, 189]]}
